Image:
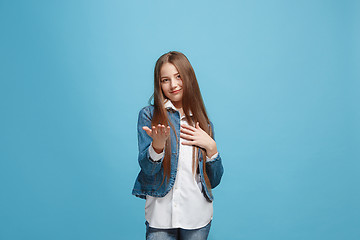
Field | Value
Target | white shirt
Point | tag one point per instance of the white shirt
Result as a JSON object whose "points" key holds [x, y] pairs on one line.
{"points": [[184, 206]]}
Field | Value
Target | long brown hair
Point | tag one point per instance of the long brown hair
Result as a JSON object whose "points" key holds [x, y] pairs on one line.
{"points": [[191, 101]]}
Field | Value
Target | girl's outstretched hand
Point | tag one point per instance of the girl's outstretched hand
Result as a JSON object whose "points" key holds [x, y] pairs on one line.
{"points": [[159, 134], [197, 136]]}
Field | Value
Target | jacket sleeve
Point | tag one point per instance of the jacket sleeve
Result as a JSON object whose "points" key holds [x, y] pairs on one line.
{"points": [[214, 167], [147, 165]]}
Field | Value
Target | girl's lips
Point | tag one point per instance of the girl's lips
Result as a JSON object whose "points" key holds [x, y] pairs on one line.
{"points": [[176, 91]]}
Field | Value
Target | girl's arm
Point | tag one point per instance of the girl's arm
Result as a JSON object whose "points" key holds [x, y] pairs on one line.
{"points": [[214, 167], [148, 165], [197, 136]]}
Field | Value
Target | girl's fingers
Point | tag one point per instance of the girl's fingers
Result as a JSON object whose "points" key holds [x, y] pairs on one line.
{"points": [[157, 130], [161, 130], [184, 130], [186, 126], [167, 131], [147, 130], [186, 136], [197, 126]]}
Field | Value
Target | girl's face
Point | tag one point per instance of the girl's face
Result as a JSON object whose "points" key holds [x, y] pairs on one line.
{"points": [[171, 84]]}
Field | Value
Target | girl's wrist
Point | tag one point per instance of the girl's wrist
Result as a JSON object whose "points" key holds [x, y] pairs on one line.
{"points": [[211, 149], [158, 151], [158, 147]]}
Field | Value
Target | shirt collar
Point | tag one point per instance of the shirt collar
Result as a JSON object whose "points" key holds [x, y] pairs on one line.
{"points": [[168, 104]]}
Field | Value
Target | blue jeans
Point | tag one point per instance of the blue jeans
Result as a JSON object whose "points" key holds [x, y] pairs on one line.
{"points": [[177, 233]]}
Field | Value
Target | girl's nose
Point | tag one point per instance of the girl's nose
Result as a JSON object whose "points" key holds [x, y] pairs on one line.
{"points": [[173, 83]]}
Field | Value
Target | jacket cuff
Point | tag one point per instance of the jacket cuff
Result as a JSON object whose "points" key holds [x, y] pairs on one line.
{"points": [[154, 155], [212, 157]]}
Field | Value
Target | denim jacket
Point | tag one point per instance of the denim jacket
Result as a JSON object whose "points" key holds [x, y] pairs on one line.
{"points": [[151, 174]]}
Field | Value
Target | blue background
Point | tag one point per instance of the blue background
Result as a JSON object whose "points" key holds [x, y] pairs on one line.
{"points": [[280, 80]]}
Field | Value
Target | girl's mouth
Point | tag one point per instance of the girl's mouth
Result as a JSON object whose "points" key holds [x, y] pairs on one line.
{"points": [[177, 91]]}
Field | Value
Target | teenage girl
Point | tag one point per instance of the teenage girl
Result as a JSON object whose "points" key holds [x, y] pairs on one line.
{"points": [[178, 156]]}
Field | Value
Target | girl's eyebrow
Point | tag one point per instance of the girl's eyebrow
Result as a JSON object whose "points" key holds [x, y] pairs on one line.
{"points": [[166, 76]]}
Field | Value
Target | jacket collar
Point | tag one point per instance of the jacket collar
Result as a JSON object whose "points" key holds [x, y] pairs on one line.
{"points": [[169, 105]]}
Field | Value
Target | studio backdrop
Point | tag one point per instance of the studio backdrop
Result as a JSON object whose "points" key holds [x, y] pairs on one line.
{"points": [[280, 82]]}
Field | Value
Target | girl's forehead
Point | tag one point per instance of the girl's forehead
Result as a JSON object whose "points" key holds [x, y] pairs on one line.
{"points": [[168, 68]]}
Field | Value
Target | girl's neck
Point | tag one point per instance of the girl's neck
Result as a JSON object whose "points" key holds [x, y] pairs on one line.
{"points": [[178, 106], [181, 112]]}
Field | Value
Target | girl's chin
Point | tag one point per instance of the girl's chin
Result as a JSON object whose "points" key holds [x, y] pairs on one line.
{"points": [[175, 99]]}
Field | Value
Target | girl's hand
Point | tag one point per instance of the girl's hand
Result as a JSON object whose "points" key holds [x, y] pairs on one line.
{"points": [[159, 134], [197, 136]]}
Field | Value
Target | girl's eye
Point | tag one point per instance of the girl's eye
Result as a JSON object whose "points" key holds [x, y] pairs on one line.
{"points": [[178, 76], [164, 80]]}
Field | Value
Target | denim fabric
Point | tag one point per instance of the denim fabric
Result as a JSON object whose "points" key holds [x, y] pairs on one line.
{"points": [[177, 233], [150, 176]]}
